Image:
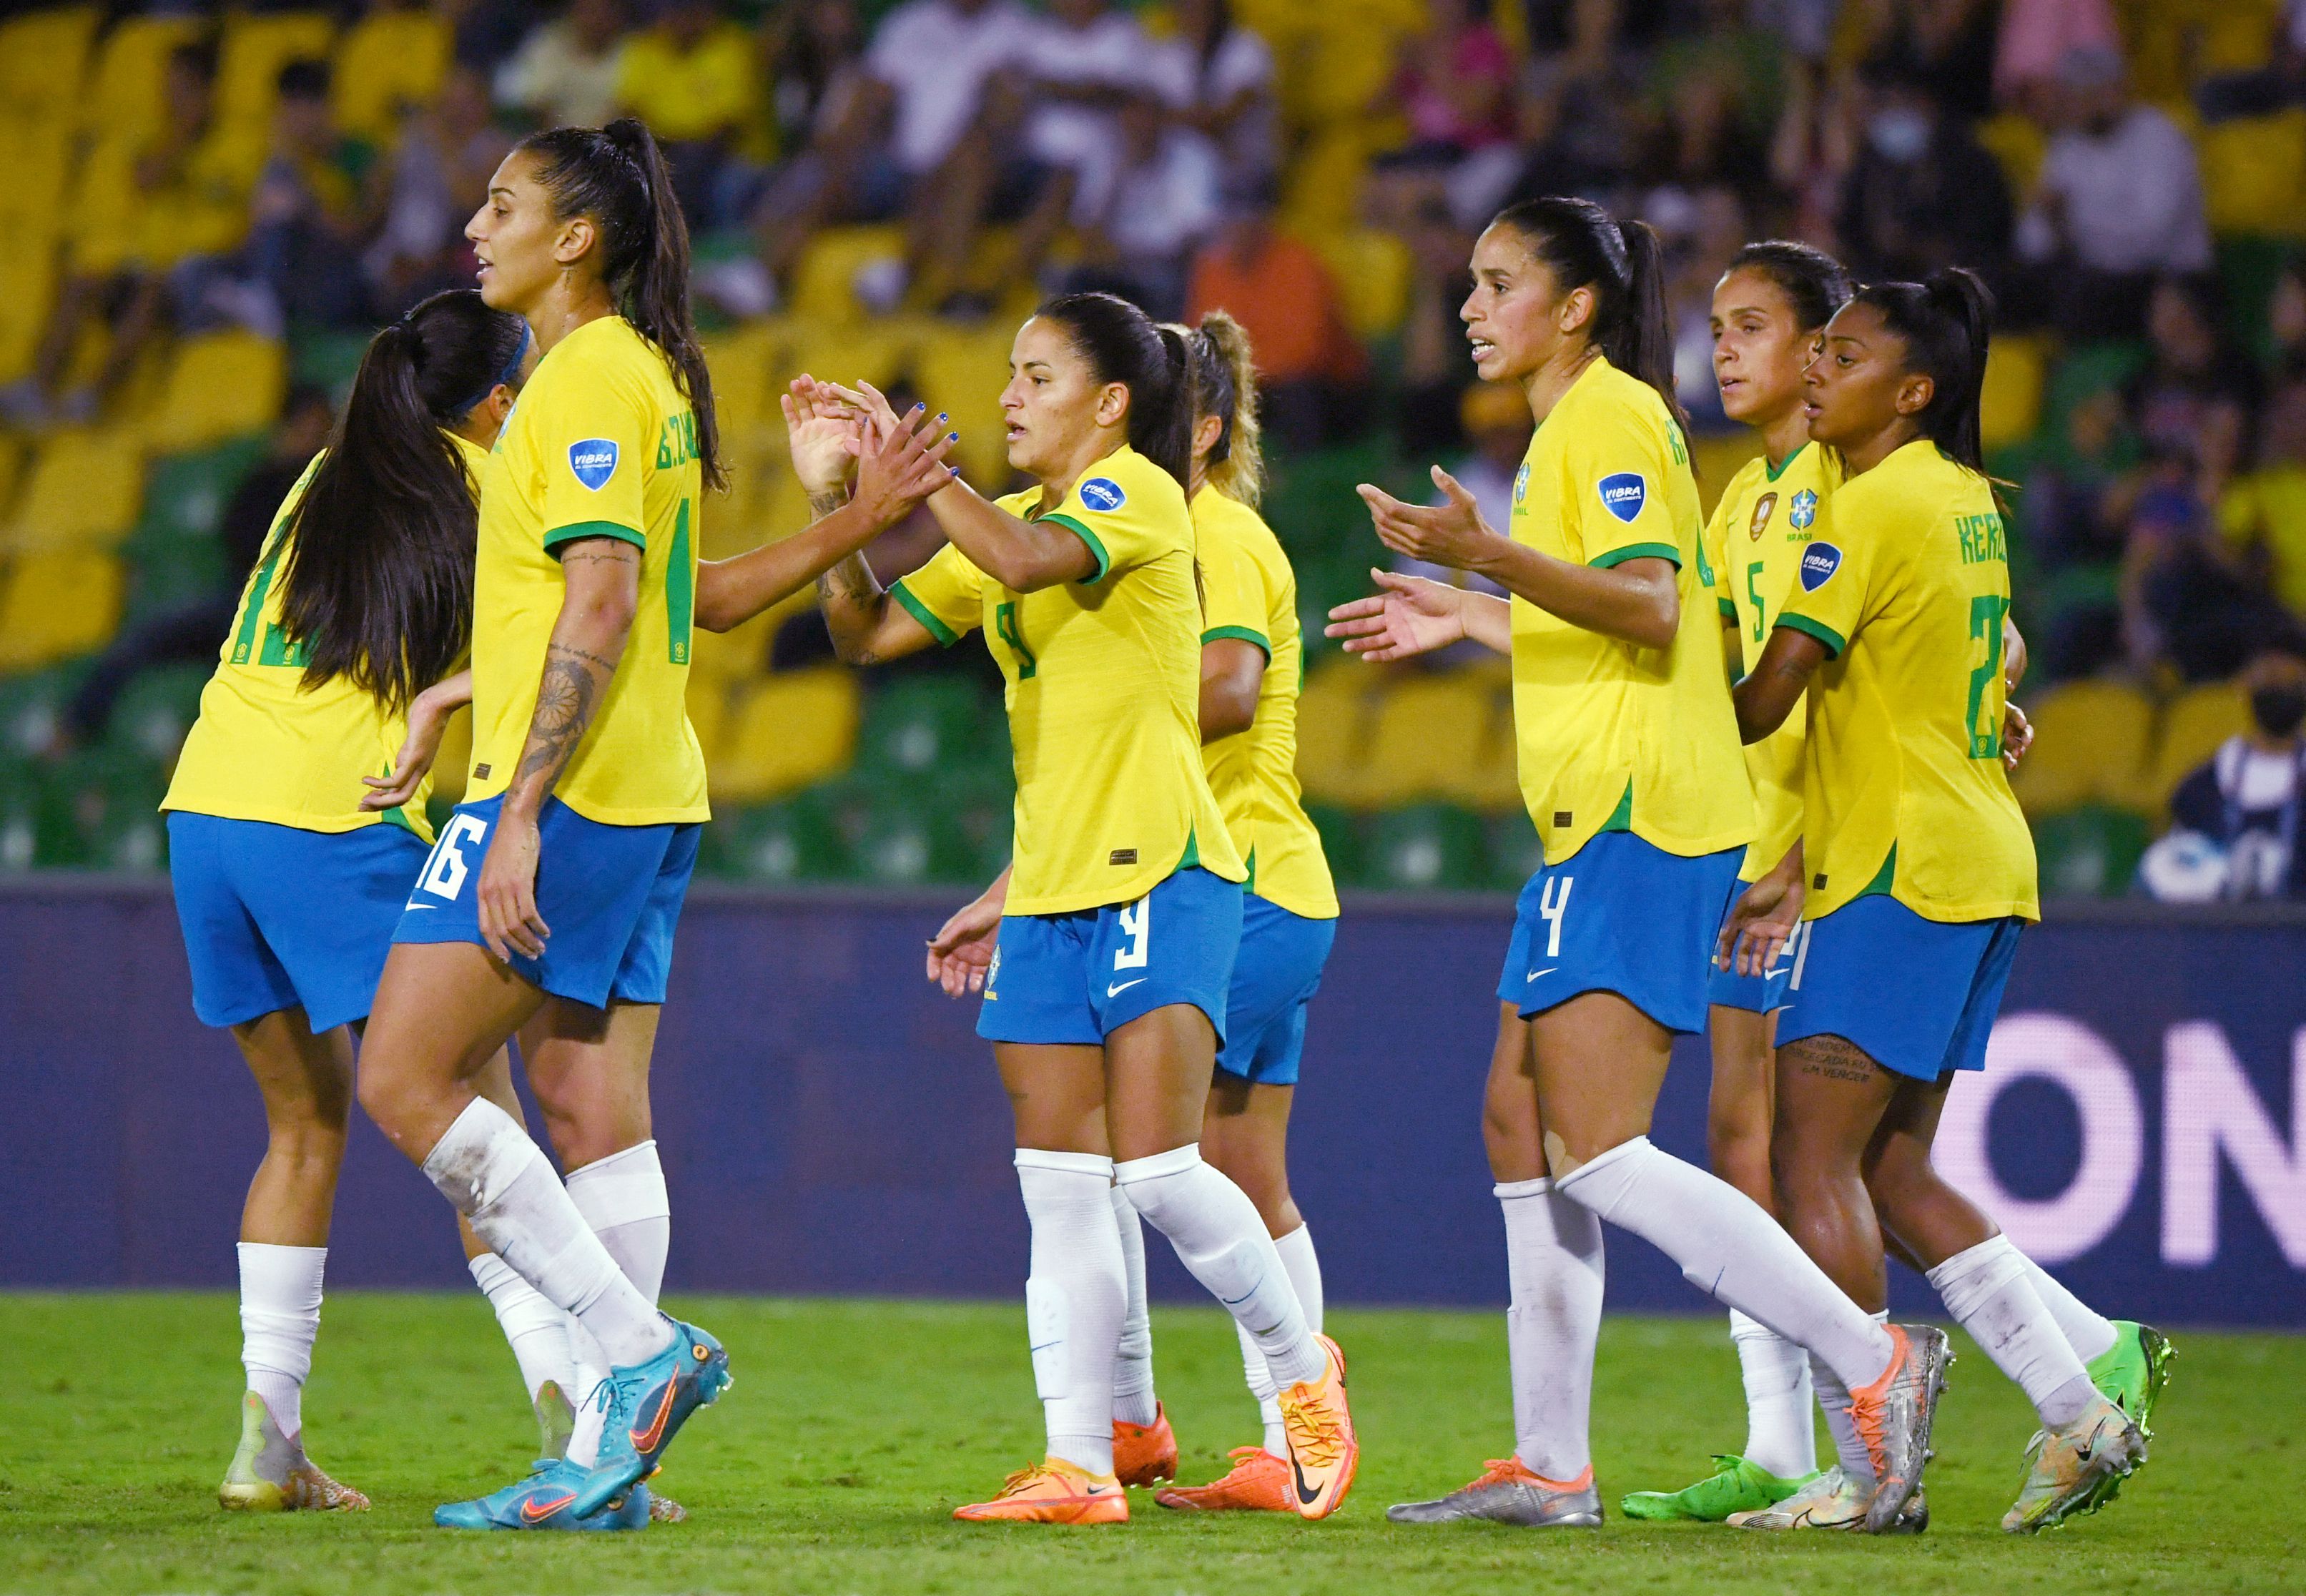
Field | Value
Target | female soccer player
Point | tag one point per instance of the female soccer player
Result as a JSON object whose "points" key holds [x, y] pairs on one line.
{"points": [[287, 881], [553, 892], [1107, 999], [1631, 772], [1251, 661], [1916, 871]]}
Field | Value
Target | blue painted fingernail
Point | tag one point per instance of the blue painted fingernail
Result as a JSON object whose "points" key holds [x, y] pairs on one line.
{"points": [[952, 438]]}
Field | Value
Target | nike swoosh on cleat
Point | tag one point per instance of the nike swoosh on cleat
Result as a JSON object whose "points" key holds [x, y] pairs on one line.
{"points": [[1119, 987], [646, 1441], [536, 1512], [1307, 1498], [1548, 970]]}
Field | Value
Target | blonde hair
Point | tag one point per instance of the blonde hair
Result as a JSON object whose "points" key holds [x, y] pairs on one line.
{"points": [[1225, 385]]}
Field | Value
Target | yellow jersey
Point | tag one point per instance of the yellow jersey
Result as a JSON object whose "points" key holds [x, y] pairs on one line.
{"points": [[266, 747], [1104, 691], [1903, 790], [1614, 736], [600, 444], [1248, 592], [1765, 520]]}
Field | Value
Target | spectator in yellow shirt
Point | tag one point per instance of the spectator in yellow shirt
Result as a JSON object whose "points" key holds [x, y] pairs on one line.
{"points": [[695, 79], [2262, 516]]}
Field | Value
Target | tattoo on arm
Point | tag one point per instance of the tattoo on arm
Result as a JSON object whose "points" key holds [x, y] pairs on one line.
{"points": [[1832, 1057], [572, 688], [821, 505], [600, 551]]}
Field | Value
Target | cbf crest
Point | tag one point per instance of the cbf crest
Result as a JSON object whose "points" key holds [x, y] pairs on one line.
{"points": [[1803, 511], [1521, 483], [1763, 509]]}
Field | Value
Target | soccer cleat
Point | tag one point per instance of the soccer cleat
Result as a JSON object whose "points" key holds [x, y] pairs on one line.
{"points": [[2131, 1374], [545, 1500], [644, 1405], [664, 1510], [1833, 1501], [556, 1420], [1735, 1486], [1893, 1415], [1510, 1492], [1053, 1491], [269, 1473], [1257, 1483], [2067, 1470], [1323, 1452], [1145, 1453]]}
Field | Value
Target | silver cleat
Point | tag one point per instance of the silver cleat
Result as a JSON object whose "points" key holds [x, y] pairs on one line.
{"points": [[1895, 1414], [1833, 1501], [1508, 1493]]}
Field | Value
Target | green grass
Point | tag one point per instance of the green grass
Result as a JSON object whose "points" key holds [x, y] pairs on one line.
{"points": [[854, 1427]]}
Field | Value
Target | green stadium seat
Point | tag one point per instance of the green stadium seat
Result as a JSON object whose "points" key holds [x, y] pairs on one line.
{"points": [[99, 810], [184, 495], [1311, 505], [32, 706], [156, 710], [1341, 841], [908, 845], [794, 840], [929, 724], [2091, 851], [20, 817], [2084, 369], [1427, 848], [173, 572], [1514, 850], [330, 359]]}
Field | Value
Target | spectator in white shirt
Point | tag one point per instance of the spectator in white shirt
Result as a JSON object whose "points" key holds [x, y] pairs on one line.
{"points": [[564, 72], [1162, 204], [1080, 62], [1217, 79], [2234, 831]]}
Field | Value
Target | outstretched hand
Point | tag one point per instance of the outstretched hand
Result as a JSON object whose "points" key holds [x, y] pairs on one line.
{"points": [[901, 463], [961, 954], [824, 432], [1760, 923], [1450, 534], [1406, 616]]}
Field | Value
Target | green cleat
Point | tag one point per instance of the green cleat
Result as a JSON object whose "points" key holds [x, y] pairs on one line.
{"points": [[2131, 1374], [1735, 1486], [269, 1473], [556, 1419]]}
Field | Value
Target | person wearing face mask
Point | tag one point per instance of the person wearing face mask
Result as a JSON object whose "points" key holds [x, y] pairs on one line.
{"points": [[1922, 193], [2234, 831]]}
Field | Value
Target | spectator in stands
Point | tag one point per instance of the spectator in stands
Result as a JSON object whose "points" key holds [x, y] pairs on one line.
{"points": [[192, 633], [1454, 87], [2197, 385], [1080, 62], [2263, 515], [1217, 77], [2119, 202], [1922, 192], [694, 78], [1713, 97], [1312, 368], [2034, 39], [2268, 90], [2233, 822], [317, 205], [1160, 206], [564, 72], [440, 177], [1436, 364], [823, 94], [1946, 44], [2285, 319], [2187, 601], [2070, 517], [1576, 98]]}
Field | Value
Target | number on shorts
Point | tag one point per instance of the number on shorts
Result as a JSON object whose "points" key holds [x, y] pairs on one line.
{"points": [[1136, 923], [445, 870], [1551, 908]]}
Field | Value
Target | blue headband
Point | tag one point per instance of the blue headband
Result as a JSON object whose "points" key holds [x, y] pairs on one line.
{"points": [[503, 377]]}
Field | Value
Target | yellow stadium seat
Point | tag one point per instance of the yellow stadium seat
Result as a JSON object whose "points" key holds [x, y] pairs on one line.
{"points": [[786, 732], [2010, 406], [28, 280], [125, 100], [13, 451], [43, 58], [876, 352], [2254, 175], [85, 491], [824, 278], [2018, 143], [1493, 782], [1332, 726], [1371, 271], [2193, 727], [57, 604], [1426, 737], [390, 60], [2092, 742], [453, 764], [256, 46], [1322, 189], [744, 361], [220, 385], [1718, 456], [962, 372]]}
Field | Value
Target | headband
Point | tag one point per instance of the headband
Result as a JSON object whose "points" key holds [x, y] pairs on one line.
{"points": [[503, 377]]}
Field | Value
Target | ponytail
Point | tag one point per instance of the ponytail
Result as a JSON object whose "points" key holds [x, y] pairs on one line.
{"points": [[1122, 344], [1584, 247], [378, 586], [617, 175], [1945, 323], [1224, 386]]}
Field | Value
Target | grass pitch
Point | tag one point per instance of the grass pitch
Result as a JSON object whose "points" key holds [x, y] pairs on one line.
{"points": [[855, 1428]]}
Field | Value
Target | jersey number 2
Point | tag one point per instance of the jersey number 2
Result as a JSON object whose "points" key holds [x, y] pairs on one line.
{"points": [[1986, 614]]}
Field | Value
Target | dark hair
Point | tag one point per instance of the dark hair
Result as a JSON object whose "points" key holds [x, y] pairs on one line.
{"points": [[617, 175], [1815, 285], [304, 78], [378, 586], [1122, 343], [1225, 385], [1584, 247], [1944, 322]]}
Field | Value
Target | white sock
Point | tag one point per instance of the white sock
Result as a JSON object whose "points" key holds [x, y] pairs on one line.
{"points": [[587, 1369], [1834, 1397], [1779, 1435], [537, 1331], [1134, 1401], [1986, 1289], [2088, 1331], [622, 1197], [1219, 1237], [1304, 1267], [1728, 1247], [280, 1317], [486, 1165], [1554, 1260], [1076, 1295]]}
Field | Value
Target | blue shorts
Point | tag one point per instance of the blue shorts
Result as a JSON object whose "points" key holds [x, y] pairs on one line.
{"points": [[1918, 996], [276, 918], [612, 895], [1077, 977], [1762, 994], [1274, 975], [1624, 916]]}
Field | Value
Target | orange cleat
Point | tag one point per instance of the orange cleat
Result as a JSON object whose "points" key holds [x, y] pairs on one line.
{"points": [[1260, 1482], [1145, 1453], [1323, 1453], [1053, 1491]]}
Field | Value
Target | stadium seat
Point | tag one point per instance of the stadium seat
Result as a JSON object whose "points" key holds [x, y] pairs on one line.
{"points": [[924, 725], [32, 709], [392, 59], [963, 372], [1426, 737], [2091, 851], [256, 46], [1371, 271], [219, 386], [2017, 143], [168, 573], [1492, 783], [2193, 725], [2091, 743], [1332, 718], [1341, 841], [2254, 175], [20, 818], [2010, 406], [744, 361], [786, 731], [57, 603], [876, 352], [125, 100], [791, 842], [184, 495], [155, 710], [2086, 369], [44, 57], [1427, 848], [824, 278], [84, 492], [911, 842], [100, 811], [1513, 851]]}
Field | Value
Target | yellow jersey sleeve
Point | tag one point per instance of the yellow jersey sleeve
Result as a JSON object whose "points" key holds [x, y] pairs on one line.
{"points": [[1830, 598], [1121, 512], [946, 596], [590, 437], [1235, 600], [1614, 497]]}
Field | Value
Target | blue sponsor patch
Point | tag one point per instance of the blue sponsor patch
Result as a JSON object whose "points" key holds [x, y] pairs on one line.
{"points": [[1804, 511], [1520, 482], [1623, 494], [594, 461], [1103, 493], [1819, 561]]}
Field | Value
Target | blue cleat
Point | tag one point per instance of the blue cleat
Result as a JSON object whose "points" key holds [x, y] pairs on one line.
{"points": [[646, 1405], [543, 1501]]}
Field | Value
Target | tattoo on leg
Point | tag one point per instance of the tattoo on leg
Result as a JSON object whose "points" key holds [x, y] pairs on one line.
{"points": [[1834, 1058]]}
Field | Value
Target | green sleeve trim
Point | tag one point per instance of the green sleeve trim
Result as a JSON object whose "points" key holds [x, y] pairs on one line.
{"points": [[1728, 610], [1095, 548], [1614, 556], [1244, 634], [944, 634], [1836, 645], [595, 529]]}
